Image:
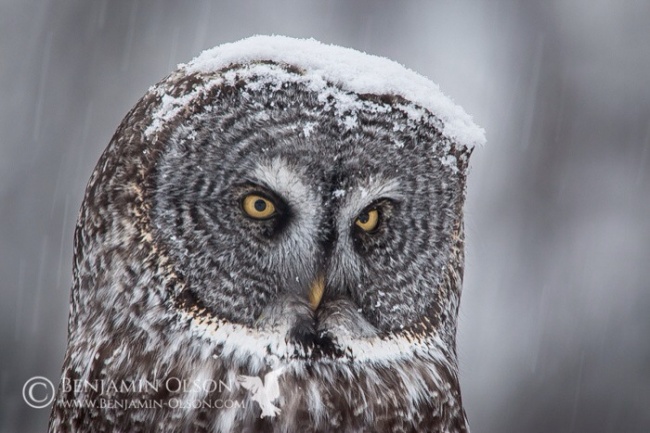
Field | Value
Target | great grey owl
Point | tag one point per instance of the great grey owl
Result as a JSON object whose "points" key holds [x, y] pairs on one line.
{"points": [[272, 242]]}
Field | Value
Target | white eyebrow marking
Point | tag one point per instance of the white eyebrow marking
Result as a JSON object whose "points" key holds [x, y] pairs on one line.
{"points": [[279, 177], [357, 199], [288, 182]]}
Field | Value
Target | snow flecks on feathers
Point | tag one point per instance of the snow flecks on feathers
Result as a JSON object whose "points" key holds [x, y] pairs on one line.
{"points": [[348, 69], [334, 73], [146, 303]]}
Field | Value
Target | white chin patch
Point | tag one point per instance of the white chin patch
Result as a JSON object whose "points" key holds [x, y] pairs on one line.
{"points": [[258, 348]]}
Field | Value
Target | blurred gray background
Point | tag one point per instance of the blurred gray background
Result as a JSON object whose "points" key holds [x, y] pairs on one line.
{"points": [[555, 319]]}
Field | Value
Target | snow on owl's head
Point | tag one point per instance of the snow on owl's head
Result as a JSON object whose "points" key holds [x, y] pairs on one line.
{"points": [[279, 203]]}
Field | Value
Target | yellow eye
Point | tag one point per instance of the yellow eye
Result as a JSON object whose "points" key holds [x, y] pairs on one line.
{"points": [[368, 220], [258, 207]]}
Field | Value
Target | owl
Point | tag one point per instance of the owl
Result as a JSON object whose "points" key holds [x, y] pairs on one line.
{"points": [[272, 242]]}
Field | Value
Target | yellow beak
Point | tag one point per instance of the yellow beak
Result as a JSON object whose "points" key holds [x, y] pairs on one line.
{"points": [[316, 291]]}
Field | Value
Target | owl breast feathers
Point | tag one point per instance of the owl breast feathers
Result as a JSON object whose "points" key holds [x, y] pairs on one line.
{"points": [[272, 242]]}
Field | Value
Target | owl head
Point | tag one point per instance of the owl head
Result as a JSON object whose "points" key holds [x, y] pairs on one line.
{"points": [[279, 203]]}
